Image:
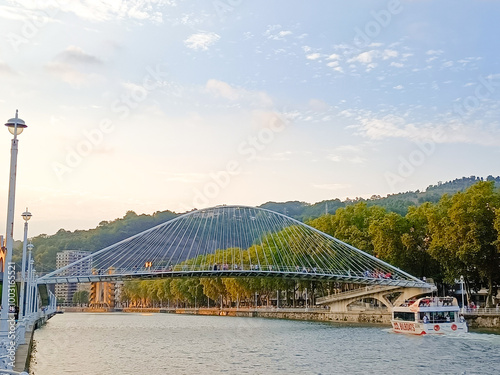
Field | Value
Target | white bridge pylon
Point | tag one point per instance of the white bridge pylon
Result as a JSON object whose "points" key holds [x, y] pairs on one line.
{"points": [[233, 241]]}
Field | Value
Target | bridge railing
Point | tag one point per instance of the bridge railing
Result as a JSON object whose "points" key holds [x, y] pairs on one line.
{"points": [[230, 268], [353, 292]]}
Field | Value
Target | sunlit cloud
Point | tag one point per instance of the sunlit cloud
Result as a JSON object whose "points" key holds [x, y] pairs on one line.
{"points": [[201, 41]]}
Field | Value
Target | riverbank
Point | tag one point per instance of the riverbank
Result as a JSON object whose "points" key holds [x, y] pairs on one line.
{"points": [[24, 350], [475, 321]]}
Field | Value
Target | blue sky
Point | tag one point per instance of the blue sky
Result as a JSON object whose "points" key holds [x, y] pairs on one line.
{"points": [[154, 105]]}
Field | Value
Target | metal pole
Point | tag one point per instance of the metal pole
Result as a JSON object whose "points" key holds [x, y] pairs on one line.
{"points": [[23, 271], [462, 288], [30, 291], [4, 316]]}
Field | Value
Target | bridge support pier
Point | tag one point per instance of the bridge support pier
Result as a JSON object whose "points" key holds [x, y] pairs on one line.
{"points": [[339, 303]]}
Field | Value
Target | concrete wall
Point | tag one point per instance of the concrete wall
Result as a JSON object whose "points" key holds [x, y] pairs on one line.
{"points": [[483, 321]]}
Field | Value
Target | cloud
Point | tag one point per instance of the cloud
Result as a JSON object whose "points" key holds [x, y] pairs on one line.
{"points": [[396, 64], [76, 55], [434, 52], [201, 41], [74, 66], [398, 87], [364, 57], [226, 91], [273, 33], [223, 89], [447, 129], [389, 53], [5, 69], [334, 56], [97, 10], [284, 33], [313, 56], [347, 153]]}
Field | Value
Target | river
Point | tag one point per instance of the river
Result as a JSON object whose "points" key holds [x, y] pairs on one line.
{"points": [[132, 344]]}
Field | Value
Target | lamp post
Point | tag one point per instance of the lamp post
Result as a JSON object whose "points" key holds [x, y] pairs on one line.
{"points": [[29, 309], [16, 127], [462, 289], [29, 281], [26, 216]]}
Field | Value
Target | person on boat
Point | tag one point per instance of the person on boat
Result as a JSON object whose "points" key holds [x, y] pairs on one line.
{"points": [[426, 319]]}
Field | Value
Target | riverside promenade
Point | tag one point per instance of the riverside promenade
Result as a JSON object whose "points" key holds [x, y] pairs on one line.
{"points": [[24, 348]]}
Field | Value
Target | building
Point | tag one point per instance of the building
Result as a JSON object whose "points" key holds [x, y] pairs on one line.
{"points": [[64, 292]]}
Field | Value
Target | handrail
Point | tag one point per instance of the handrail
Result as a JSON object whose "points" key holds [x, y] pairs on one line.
{"points": [[367, 289], [482, 311]]}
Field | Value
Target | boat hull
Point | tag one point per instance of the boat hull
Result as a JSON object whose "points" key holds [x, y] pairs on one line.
{"points": [[415, 328]]}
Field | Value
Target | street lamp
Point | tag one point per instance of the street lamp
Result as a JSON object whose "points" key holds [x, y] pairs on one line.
{"points": [[26, 216], [15, 126]]}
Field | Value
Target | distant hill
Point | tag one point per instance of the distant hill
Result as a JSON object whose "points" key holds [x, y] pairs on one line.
{"points": [[398, 203], [110, 232]]}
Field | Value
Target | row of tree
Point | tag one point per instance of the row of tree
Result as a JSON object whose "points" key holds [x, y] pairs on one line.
{"points": [[222, 292], [457, 236]]}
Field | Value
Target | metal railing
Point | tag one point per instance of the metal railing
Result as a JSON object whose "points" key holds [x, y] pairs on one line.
{"points": [[482, 311]]}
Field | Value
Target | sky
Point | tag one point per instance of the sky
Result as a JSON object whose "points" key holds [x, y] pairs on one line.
{"points": [[175, 104]]}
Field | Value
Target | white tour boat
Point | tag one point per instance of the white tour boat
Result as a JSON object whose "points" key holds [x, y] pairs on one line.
{"points": [[429, 315]]}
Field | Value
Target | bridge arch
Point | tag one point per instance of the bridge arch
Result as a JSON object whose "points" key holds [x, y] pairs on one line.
{"points": [[233, 241]]}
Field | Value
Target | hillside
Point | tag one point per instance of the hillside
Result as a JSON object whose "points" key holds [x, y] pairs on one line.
{"points": [[398, 203]]}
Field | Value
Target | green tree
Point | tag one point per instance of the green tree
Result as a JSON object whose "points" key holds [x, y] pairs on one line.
{"points": [[464, 238], [81, 297]]}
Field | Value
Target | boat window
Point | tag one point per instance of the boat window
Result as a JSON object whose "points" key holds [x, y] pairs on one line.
{"points": [[403, 315], [442, 317]]}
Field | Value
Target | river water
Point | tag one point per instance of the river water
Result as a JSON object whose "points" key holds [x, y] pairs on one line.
{"points": [[132, 344]]}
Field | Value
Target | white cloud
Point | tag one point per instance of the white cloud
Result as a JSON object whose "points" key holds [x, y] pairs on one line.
{"points": [[434, 52], [273, 33], [347, 153], [334, 56], [333, 64], [313, 56], [95, 10], [398, 87], [201, 41], [226, 91], [284, 33], [75, 66], [223, 89], [441, 130], [389, 53], [396, 64], [76, 55], [365, 57]]}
